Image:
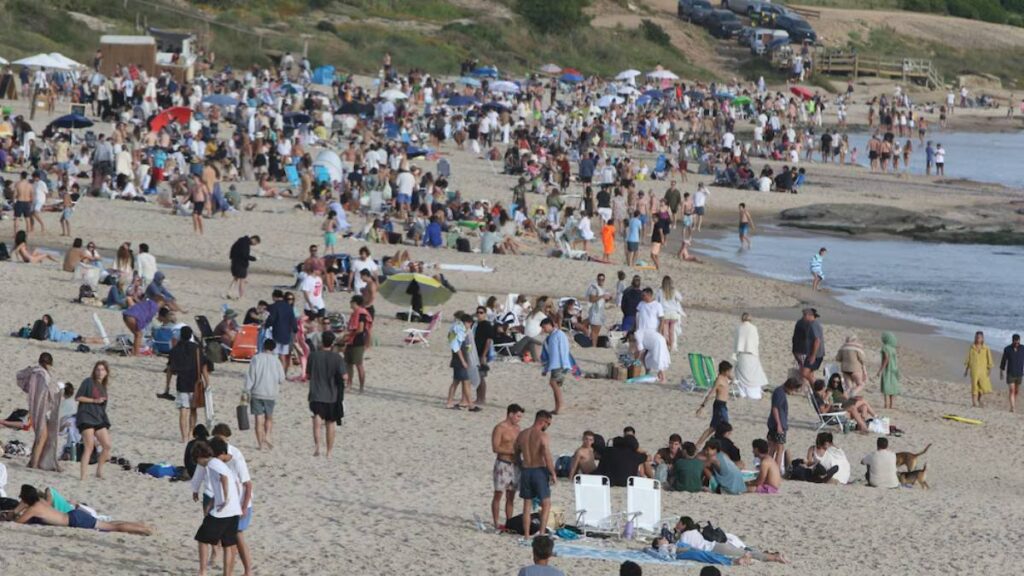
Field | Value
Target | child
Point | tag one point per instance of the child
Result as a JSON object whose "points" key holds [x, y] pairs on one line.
{"points": [[67, 208], [330, 228], [220, 524], [620, 287], [719, 410], [608, 239]]}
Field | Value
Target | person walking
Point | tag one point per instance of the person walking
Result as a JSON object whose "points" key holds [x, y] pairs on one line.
{"points": [[327, 374], [240, 256], [262, 385], [44, 396], [91, 418], [1012, 365], [818, 268], [889, 371], [978, 365], [557, 362]]}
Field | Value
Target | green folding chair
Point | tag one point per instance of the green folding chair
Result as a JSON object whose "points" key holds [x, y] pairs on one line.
{"points": [[702, 369]]}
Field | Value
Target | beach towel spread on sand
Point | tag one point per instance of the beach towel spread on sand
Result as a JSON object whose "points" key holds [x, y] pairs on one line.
{"points": [[685, 557]]}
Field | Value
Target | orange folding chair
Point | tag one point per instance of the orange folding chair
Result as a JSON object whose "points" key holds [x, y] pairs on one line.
{"points": [[245, 346]]}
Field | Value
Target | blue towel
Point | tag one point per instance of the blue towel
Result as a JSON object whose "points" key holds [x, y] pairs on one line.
{"points": [[618, 555]]}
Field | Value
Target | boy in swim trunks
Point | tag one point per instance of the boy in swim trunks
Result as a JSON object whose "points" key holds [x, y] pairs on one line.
{"points": [[719, 410], [769, 477], [746, 226]]}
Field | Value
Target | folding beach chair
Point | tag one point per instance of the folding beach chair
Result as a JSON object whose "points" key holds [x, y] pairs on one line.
{"points": [[594, 505], [643, 503], [568, 251], [421, 335], [120, 344], [292, 174], [205, 330], [245, 345], [163, 340], [826, 419], [703, 370]]}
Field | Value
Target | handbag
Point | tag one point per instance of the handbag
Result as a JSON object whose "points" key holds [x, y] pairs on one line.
{"points": [[242, 412]]}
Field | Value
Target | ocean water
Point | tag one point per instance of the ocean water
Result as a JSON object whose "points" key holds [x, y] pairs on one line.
{"points": [[970, 155], [957, 288]]}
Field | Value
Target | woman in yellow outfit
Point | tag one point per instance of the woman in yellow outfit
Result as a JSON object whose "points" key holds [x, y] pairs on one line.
{"points": [[978, 364]]}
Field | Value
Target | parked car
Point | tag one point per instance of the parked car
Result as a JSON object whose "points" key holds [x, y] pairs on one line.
{"points": [[722, 24], [694, 10], [745, 35], [763, 38], [798, 28], [765, 14], [747, 7]]}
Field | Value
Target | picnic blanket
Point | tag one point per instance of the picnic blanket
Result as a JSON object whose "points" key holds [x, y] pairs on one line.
{"points": [[685, 557]]}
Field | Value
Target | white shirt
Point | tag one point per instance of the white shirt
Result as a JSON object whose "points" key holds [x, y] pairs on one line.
{"points": [[231, 499], [728, 139], [313, 288], [532, 328], [700, 197], [693, 539], [239, 466], [835, 457], [358, 265], [940, 155], [406, 183], [648, 315], [882, 473], [145, 265]]}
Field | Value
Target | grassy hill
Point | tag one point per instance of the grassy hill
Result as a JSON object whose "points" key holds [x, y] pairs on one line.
{"points": [[997, 11]]}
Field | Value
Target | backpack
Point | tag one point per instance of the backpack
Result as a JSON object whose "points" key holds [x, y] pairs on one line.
{"points": [[39, 330], [462, 245], [4, 254], [712, 534], [85, 292]]}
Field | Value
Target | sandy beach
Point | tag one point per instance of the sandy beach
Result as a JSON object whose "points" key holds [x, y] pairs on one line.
{"points": [[401, 491]]}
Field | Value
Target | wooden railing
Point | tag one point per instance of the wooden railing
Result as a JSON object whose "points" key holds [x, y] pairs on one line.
{"points": [[851, 64]]}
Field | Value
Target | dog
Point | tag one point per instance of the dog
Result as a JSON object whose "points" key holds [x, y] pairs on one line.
{"points": [[914, 477], [909, 459]]}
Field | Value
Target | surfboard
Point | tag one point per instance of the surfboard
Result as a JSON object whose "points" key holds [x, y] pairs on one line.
{"points": [[956, 418]]}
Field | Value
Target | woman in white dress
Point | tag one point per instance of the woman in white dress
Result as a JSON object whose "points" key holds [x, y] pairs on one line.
{"points": [[585, 233], [748, 373], [651, 346], [672, 302]]}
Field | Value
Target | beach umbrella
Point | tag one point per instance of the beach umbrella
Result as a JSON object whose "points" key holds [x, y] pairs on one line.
{"points": [[504, 86], [399, 289], [295, 119], [71, 121], [355, 109], [725, 95], [4, 61], [393, 94], [551, 69], [627, 91], [662, 75], [802, 92], [485, 72], [71, 64], [656, 94], [466, 80], [41, 61], [644, 100], [179, 114], [608, 99], [460, 101], [571, 71], [222, 100], [290, 88], [571, 78], [496, 106], [628, 74], [695, 94]]}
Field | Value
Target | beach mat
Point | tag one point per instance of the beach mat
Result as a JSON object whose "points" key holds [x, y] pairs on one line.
{"points": [[615, 555]]}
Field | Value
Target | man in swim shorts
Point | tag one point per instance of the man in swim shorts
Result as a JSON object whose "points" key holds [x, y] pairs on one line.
{"points": [[23, 202], [505, 473], [533, 449], [33, 509]]}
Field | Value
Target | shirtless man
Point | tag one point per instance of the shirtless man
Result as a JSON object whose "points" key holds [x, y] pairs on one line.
{"points": [[23, 202], [32, 509], [533, 450], [719, 410], [506, 473], [688, 214], [769, 477], [583, 461], [200, 194], [746, 226]]}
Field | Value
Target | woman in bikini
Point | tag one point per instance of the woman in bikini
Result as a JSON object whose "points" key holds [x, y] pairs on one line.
{"points": [[28, 255]]}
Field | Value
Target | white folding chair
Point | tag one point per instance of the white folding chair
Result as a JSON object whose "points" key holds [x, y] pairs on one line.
{"points": [[826, 419], [594, 505], [643, 503], [121, 344], [421, 335]]}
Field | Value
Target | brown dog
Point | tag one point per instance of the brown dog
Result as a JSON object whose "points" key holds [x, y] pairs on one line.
{"points": [[909, 459], [914, 477]]}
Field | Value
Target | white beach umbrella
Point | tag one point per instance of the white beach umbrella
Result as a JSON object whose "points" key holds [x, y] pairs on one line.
{"points": [[627, 74], [65, 60], [41, 61], [4, 61], [393, 94], [662, 75], [627, 91], [551, 68], [504, 86], [608, 99]]}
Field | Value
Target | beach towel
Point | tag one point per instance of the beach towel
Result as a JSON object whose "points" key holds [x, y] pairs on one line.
{"points": [[684, 557]]}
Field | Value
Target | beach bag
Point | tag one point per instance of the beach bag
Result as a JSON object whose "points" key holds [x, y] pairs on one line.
{"points": [[215, 352], [39, 330], [515, 524], [879, 426], [4, 254], [242, 413], [85, 292], [583, 340], [462, 245], [712, 534], [562, 465]]}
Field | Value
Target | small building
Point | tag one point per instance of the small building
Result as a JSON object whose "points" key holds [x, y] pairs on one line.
{"points": [[158, 52]]}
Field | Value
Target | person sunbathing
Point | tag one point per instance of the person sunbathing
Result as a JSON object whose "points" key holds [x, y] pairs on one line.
{"points": [[33, 509], [856, 408], [26, 254]]}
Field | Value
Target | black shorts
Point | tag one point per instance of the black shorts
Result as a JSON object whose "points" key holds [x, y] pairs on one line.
{"points": [[197, 207], [223, 531], [97, 427], [872, 155], [239, 270], [22, 209], [326, 411], [315, 314], [776, 437], [813, 363]]}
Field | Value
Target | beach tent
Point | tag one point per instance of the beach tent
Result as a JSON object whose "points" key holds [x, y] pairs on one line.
{"points": [[220, 100], [68, 62], [628, 74], [571, 78], [662, 75], [504, 86], [179, 114], [324, 75], [656, 94], [330, 162], [41, 61], [608, 99], [551, 69]]}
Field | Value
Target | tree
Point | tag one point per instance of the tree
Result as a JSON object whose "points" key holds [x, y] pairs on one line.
{"points": [[548, 16]]}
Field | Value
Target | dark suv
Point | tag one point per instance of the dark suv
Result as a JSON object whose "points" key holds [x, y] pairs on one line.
{"points": [[798, 28], [694, 10], [722, 24]]}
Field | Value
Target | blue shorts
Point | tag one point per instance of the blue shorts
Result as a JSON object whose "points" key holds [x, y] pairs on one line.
{"points": [[79, 518], [261, 407], [404, 199], [534, 483], [632, 246], [719, 414], [643, 219], [246, 520], [744, 229], [700, 210]]}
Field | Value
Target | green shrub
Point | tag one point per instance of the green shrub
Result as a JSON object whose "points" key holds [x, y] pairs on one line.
{"points": [[655, 33], [549, 16]]}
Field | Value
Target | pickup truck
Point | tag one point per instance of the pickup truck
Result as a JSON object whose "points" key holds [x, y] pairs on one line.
{"points": [[694, 10]]}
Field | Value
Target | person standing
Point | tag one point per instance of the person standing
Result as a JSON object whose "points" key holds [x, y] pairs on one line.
{"points": [[598, 298], [778, 419], [313, 295], [1012, 365], [633, 228], [460, 343], [533, 449], [91, 418], [282, 324], [222, 514], [940, 160], [241, 256], [483, 337], [557, 362], [44, 397], [631, 298], [746, 226], [185, 362], [326, 373], [262, 385], [505, 474], [750, 376], [978, 366], [199, 194], [672, 307], [818, 268], [700, 202], [889, 371], [852, 364], [650, 314], [814, 347], [357, 339]]}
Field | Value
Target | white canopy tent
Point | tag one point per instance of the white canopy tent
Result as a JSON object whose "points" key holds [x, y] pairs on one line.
{"points": [[42, 61], [71, 64]]}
